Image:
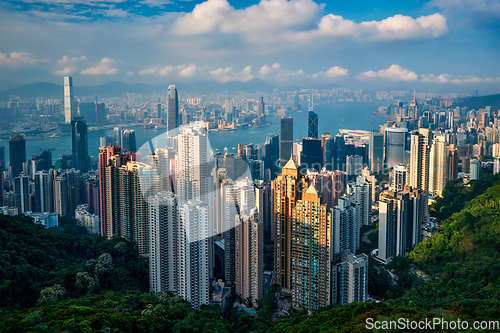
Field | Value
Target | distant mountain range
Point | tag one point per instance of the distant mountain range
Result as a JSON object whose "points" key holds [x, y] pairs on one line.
{"points": [[117, 89], [480, 102]]}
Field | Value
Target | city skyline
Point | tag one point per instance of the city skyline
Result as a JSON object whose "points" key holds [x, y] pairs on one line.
{"points": [[285, 43]]}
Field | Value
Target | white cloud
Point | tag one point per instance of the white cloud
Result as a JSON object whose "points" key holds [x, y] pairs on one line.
{"points": [[67, 60], [166, 70], [336, 71], [66, 71], [264, 70], [488, 8], [151, 70], [273, 21], [16, 59], [130, 73], [443, 78], [105, 67], [394, 73], [227, 74], [188, 71]]}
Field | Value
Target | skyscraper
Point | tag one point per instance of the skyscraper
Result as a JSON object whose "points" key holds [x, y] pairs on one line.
{"points": [[286, 137], [395, 146], [274, 159], [44, 199], [129, 143], [310, 252], [362, 191], [376, 152], [312, 125], [400, 177], [69, 107], [339, 153], [287, 189], [249, 235], [79, 143], [118, 133], [17, 154], [311, 156], [350, 278], [346, 224], [22, 193], [88, 111], [172, 108], [438, 167], [260, 106], [452, 163], [400, 221], [419, 164], [413, 109]]}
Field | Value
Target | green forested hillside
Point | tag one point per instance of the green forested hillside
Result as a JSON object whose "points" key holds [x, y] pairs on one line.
{"points": [[32, 259]]}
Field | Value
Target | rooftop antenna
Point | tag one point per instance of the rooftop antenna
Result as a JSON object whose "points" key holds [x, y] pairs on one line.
{"points": [[311, 106]]}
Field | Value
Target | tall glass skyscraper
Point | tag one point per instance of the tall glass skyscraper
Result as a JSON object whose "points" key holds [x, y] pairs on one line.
{"points": [[286, 137], [80, 147], [17, 154], [69, 111], [128, 141], [172, 108], [312, 125]]}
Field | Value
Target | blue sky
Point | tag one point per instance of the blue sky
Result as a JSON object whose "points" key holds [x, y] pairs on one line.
{"points": [[436, 45]]}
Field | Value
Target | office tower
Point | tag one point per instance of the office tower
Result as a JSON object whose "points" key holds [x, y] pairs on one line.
{"points": [[310, 252], [101, 114], [395, 146], [88, 111], [91, 190], [105, 141], [438, 167], [260, 106], [419, 164], [362, 191], [452, 163], [329, 153], [273, 140], [164, 236], [287, 190], [475, 166], [311, 156], [172, 108], [354, 165], [400, 177], [79, 143], [312, 125], [413, 109], [158, 111], [69, 104], [264, 206], [44, 199], [17, 155], [40, 162], [329, 185], [129, 143], [400, 221], [286, 137], [118, 134], [376, 152], [2, 157], [339, 153], [496, 168], [350, 279], [228, 106], [249, 235], [346, 224], [196, 264], [22, 193]]}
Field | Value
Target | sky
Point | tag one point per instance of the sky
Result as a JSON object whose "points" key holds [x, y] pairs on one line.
{"points": [[436, 45]]}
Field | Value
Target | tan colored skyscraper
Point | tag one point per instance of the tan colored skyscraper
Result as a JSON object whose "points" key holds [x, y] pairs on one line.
{"points": [[249, 235], [438, 167], [311, 228], [419, 164], [287, 187]]}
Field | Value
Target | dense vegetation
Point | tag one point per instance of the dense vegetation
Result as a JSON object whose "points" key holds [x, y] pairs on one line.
{"points": [[36, 264], [54, 282]]}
